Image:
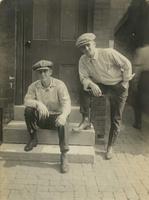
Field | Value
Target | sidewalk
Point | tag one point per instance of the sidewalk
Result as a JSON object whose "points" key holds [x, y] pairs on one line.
{"points": [[125, 177]]}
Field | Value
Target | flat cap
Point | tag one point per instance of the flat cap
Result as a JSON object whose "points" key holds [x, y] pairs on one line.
{"points": [[84, 39], [42, 64]]}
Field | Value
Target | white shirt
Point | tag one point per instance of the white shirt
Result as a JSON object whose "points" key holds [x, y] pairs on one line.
{"points": [[55, 97], [107, 67]]}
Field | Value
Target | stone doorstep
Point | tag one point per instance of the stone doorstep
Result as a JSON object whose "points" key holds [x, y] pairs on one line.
{"points": [[15, 132], [46, 153], [75, 115]]}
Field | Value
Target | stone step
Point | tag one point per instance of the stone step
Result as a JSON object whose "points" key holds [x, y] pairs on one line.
{"points": [[75, 115], [16, 132], [46, 153]]}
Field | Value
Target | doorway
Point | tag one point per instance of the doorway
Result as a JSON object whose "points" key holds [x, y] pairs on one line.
{"points": [[47, 29]]}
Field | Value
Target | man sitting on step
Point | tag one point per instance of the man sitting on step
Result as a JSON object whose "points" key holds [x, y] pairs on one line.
{"points": [[47, 106]]}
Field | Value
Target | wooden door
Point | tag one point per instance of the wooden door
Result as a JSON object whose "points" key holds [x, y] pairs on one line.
{"points": [[50, 29]]}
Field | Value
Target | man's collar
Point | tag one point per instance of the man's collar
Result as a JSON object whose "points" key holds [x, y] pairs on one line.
{"points": [[52, 84], [95, 57]]}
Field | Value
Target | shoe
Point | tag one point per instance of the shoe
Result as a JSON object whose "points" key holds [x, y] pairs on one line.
{"points": [[64, 163], [85, 124], [109, 153], [31, 144]]}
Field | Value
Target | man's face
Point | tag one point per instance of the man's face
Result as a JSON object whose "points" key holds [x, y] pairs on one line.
{"points": [[88, 49], [44, 74]]}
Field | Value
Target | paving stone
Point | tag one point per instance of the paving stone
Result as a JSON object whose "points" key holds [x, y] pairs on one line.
{"points": [[120, 196], [107, 195], [67, 195], [46, 195], [21, 194], [143, 196], [130, 193], [4, 194], [140, 189]]}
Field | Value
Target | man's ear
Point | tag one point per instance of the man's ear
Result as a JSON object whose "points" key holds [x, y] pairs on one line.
{"points": [[94, 43], [50, 71]]}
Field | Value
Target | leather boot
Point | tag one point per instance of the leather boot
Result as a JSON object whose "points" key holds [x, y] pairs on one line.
{"points": [[31, 143], [109, 153], [64, 163], [85, 124]]}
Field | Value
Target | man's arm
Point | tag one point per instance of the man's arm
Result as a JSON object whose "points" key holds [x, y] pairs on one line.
{"points": [[30, 101], [30, 97], [86, 81], [64, 100], [84, 75]]}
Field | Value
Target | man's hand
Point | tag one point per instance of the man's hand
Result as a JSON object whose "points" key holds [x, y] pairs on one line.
{"points": [[61, 120], [125, 84], [95, 90], [43, 111]]}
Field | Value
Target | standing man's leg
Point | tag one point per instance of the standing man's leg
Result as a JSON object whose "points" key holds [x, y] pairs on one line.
{"points": [[85, 101], [117, 104]]}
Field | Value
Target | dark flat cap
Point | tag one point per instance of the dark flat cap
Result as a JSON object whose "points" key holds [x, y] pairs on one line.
{"points": [[42, 64], [84, 39]]}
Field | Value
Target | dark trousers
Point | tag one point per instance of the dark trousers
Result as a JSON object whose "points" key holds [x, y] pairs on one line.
{"points": [[137, 107], [140, 97], [33, 122], [117, 96]]}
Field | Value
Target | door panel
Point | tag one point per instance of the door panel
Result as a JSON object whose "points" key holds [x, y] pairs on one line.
{"points": [[69, 19], [49, 32], [40, 19]]}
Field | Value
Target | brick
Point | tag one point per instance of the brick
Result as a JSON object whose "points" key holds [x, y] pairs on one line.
{"points": [[120, 196], [130, 193], [103, 18]]}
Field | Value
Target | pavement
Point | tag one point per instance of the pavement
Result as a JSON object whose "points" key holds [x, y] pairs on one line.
{"points": [[125, 177]]}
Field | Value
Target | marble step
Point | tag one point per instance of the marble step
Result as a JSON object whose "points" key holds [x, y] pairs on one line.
{"points": [[75, 115], [46, 153], [16, 132]]}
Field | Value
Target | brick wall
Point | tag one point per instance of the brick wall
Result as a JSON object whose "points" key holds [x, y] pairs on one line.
{"points": [[7, 55], [107, 14]]}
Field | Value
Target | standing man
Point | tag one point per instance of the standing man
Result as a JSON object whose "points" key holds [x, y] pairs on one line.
{"points": [[139, 89], [47, 105], [103, 72]]}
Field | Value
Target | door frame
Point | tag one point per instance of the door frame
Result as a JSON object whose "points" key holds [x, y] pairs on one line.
{"points": [[20, 45]]}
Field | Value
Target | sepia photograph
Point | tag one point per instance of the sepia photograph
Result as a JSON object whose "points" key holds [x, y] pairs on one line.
{"points": [[74, 99]]}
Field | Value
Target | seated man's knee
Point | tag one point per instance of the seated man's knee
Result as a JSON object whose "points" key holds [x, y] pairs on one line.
{"points": [[29, 111]]}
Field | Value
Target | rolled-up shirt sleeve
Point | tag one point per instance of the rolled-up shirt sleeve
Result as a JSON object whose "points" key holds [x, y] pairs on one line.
{"points": [[64, 99], [84, 74], [124, 64], [30, 97]]}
